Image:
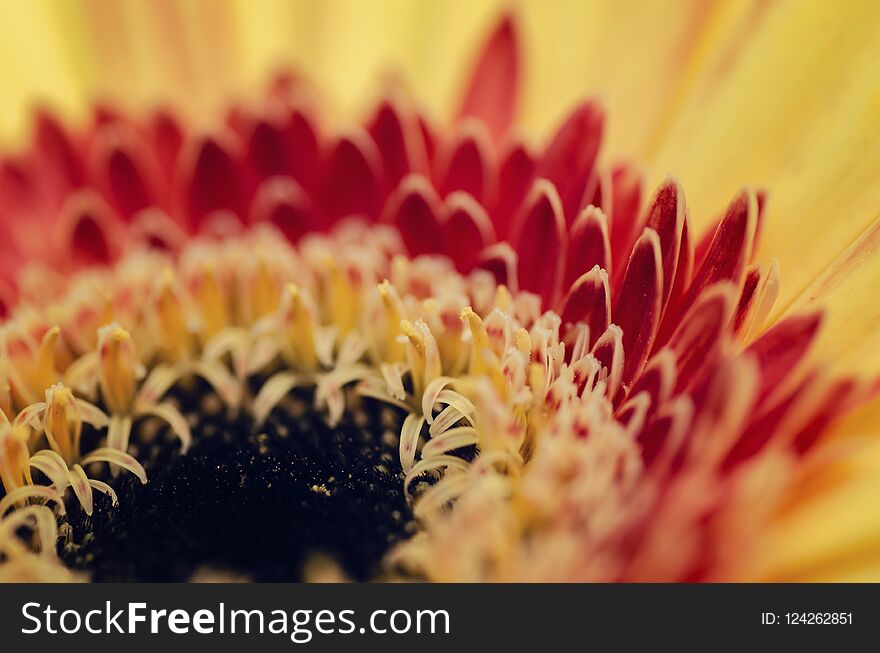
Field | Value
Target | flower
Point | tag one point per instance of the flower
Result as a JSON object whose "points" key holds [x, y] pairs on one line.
{"points": [[525, 365]]}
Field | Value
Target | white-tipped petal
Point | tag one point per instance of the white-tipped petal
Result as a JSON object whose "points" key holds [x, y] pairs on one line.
{"points": [[175, 420], [79, 482], [102, 487], [115, 457], [118, 432], [409, 440], [91, 414], [53, 466], [273, 391]]}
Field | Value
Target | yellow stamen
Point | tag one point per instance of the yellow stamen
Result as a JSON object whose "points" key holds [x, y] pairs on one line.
{"points": [[415, 355], [5, 391], [62, 422], [14, 469], [480, 340], [299, 324], [524, 342], [394, 350], [212, 301], [422, 355], [343, 299], [117, 368], [46, 359], [260, 289], [176, 338], [483, 359], [503, 299]]}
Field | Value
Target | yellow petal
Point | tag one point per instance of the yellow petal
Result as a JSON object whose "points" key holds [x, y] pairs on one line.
{"points": [[832, 533], [847, 290], [790, 102], [28, 34], [346, 45], [634, 56]]}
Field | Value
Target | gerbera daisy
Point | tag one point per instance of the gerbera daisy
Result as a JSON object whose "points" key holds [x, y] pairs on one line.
{"points": [[281, 346]]}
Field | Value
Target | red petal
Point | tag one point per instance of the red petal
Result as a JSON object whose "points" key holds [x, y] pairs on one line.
{"points": [[747, 297], [633, 413], [104, 114], [414, 209], [662, 437], [351, 182], [240, 120], [492, 91], [466, 231], [428, 137], [514, 179], [637, 305], [724, 402], [212, 178], [726, 259], [731, 247], [467, 165], [599, 191], [19, 191], [88, 230], [665, 215], [282, 202], [166, 137], [684, 269], [658, 379], [588, 245], [837, 401], [756, 303], [761, 199], [772, 424], [589, 301], [782, 349], [400, 144], [128, 176], [708, 239], [703, 332], [569, 159], [265, 150], [8, 298], [501, 261], [11, 255], [303, 147], [539, 238], [155, 229], [88, 242], [610, 353], [627, 182], [58, 150]]}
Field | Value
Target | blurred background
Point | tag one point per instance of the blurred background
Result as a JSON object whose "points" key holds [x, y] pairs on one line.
{"points": [[198, 52]]}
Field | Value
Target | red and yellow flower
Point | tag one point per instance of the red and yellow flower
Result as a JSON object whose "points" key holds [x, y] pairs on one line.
{"points": [[594, 383]]}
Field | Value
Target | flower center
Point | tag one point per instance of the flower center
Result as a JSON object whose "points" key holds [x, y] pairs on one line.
{"points": [[266, 503]]}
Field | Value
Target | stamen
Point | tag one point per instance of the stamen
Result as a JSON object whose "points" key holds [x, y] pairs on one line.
{"points": [[299, 321], [117, 368], [173, 326], [62, 422]]}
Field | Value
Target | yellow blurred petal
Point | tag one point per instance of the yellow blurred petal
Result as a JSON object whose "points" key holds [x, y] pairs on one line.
{"points": [[832, 533], [635, 56], [847, 290], [33, 66], [346, 46], [94, 38], [791, 104]]}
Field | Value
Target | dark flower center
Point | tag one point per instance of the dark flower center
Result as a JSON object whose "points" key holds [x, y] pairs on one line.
{"points": [[260, 502]]}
